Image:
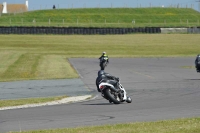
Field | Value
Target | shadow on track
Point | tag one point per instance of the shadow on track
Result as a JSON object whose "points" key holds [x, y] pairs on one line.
{"points": [[99, 104], [192, 79]]}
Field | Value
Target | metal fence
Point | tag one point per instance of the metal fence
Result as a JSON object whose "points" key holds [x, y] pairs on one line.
{"points": [[100, 23]]}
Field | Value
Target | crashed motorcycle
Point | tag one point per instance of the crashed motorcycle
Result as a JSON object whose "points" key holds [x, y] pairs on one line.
{"points": [[114, 93], [103, 62]]}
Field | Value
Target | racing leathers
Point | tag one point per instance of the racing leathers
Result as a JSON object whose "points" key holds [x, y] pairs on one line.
{"points": [[104, 56], [106, 77], [104, 60]]}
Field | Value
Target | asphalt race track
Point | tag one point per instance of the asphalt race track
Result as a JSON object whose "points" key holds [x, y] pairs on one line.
{"points": [[161, 89]]}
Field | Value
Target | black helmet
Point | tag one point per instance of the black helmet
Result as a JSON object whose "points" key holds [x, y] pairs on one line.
{"points": [[100, 72]]}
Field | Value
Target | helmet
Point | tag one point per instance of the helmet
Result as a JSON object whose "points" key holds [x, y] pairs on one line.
{"points": [[100, 72], [104, 53]]}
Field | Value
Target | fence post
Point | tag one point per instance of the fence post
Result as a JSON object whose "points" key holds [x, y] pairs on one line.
{"points": [[105, 21], [77, 22], [133, 22], [34, 21], [49, 21], [22, 21], [10, 21], [187, 21], [63, 21]]}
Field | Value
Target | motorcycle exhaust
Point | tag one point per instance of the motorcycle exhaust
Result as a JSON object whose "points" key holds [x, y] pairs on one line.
{"points": [[114, 89]]}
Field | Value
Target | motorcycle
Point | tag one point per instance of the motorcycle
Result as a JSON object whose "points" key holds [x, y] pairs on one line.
{"points": [[198, 66], [197, 63], [112, 94], [103, 62]]}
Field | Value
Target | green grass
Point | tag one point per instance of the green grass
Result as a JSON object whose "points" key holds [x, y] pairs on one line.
{"points": [[8, 103], [105, 17], [191, 125], [25, 57], [35, 66]]}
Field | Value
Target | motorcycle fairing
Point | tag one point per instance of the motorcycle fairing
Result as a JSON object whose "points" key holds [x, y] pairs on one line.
{"points": [[110, 85], [105, 84]]}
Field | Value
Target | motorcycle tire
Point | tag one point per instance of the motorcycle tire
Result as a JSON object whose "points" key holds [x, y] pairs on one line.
{"points": [[129, 100], [102, 68], [103, 65], [111, 97]]}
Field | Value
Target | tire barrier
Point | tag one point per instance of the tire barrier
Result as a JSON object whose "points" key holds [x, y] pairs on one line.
{"points": [[77, 30]]}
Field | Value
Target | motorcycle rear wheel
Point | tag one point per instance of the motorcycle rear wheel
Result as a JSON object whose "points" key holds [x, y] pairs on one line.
{"points": [[111, 97], [103, 65]]}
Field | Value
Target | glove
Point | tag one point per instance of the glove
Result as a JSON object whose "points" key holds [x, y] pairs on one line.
{"points": [[117, 79]]}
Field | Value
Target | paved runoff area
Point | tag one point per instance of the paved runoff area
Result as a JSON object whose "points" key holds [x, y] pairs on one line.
{"points": [[42, 88]]}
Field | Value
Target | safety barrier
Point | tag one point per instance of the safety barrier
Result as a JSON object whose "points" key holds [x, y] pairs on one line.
{"points": [[173, 30], [77, 30], [191, 30], [194, 30], [90, 31]]}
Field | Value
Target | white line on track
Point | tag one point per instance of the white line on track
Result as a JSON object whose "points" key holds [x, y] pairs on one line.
{"points": [[62, 101]]}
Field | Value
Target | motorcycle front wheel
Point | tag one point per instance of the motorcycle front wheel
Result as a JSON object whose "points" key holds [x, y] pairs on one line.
{"points": [[129, 100], [113, 98]]}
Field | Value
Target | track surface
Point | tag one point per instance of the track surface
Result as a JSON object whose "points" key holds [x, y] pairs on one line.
{"points": [[42, 88], [161, 88]]}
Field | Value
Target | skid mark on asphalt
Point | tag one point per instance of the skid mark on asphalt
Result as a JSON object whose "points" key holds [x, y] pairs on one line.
{"points": [[145, 75]]}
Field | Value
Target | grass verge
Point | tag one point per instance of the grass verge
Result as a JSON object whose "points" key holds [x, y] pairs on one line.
{"points": [[8, 103], [189, 125], [36, 66]]}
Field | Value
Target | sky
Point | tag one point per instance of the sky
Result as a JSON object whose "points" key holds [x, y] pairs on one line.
{"points": [[48, 4]]}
